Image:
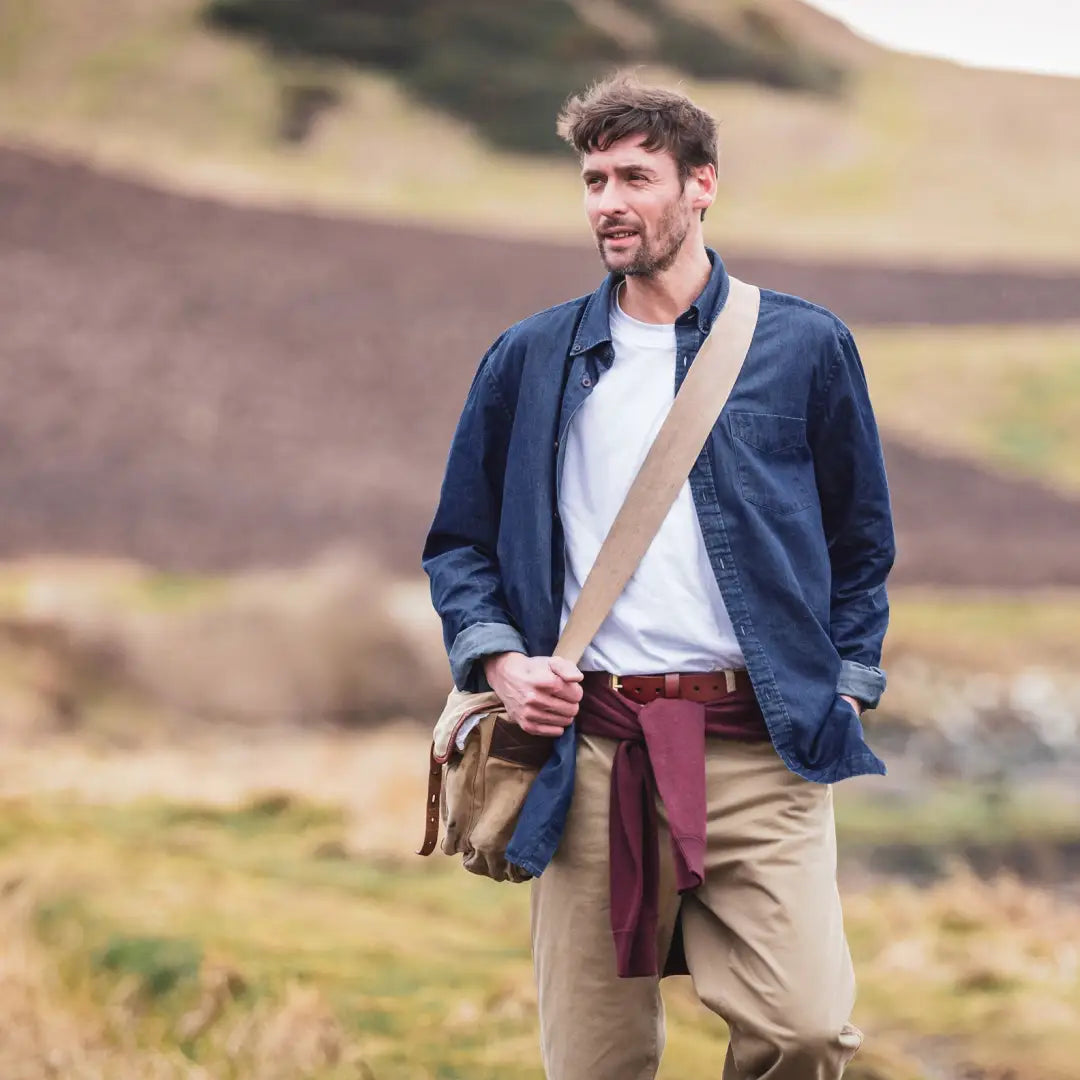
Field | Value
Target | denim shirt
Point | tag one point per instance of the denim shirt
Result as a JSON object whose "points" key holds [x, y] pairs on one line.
{"points": [[790, 493]]}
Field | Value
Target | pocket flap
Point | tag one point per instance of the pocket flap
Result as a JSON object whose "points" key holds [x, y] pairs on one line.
{"points": [[767, 431]]}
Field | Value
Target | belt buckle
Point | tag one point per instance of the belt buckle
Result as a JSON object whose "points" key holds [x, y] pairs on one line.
{"points": [[614, 683]]}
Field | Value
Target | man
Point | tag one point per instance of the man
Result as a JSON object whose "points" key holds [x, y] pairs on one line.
{"points": [[760, 607]]}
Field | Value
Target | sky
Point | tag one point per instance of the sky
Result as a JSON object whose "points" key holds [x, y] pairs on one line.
{"points": [[1026, 35]]}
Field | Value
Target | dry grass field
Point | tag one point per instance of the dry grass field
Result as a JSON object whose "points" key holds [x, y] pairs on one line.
{"points": [[194, 885], [175, 939]]}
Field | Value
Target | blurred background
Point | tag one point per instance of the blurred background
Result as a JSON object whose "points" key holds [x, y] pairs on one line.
{"points": [[251, 252]]}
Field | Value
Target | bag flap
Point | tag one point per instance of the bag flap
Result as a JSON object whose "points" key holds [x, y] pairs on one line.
{"points": [[460, 705]]}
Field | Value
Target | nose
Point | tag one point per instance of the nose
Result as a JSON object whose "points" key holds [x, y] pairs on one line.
{"points": [[612, 203]]}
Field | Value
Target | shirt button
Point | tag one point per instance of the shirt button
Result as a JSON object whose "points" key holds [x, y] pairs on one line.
{"points": [[586, 382]]}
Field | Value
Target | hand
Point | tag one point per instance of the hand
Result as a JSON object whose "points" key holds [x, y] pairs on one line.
{"points": [[855, 703], [541, 693]]}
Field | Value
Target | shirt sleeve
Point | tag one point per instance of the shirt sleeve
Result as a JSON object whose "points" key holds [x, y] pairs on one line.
{"points": [[459, 555], [857, 518]]}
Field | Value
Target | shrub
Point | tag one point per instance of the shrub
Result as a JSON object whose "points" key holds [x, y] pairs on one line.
{"points": [[158, 963], [506, 68]]}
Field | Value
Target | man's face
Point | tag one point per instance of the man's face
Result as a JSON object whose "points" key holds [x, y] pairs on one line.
{"points": [[638, 209]]}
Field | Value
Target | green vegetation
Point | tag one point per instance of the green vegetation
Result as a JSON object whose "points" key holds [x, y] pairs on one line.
{"points": [[153, 90], [952, 816], [156, 935], [119, 586], [977, 632], [1006, 395], [506, 68], [158, 964]]}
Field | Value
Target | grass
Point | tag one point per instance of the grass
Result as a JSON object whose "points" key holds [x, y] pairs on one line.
{"points": [[266, 901], [146, 88], [946, 817], [182, 939], [1005, 395], [231, 941], [987, 632], [30, 584], [985, 968], [100, 644]]}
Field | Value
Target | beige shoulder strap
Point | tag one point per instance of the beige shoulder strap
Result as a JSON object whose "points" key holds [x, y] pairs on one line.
{"points": [[697, 405], [699, 402]]}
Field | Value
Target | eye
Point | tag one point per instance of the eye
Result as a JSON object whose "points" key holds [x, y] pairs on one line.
{"points": [[593, 181]]}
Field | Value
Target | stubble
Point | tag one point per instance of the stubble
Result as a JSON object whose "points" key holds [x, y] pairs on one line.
{"points": [[654, 257]]}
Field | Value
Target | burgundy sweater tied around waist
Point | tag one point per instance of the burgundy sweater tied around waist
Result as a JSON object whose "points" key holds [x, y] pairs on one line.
{"points": [[661, 752]]}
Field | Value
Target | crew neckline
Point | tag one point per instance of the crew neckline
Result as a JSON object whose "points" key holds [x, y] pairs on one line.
{"points": [[619, 316]]}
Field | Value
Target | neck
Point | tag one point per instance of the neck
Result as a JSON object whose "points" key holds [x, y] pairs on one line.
{"points": [[663, 297]]}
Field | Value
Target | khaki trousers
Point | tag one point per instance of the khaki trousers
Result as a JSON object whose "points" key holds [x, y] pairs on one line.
{"points": [[763, 935]]}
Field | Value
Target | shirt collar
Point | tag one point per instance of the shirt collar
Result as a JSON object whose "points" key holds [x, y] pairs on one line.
{"points": [[595, 326]]}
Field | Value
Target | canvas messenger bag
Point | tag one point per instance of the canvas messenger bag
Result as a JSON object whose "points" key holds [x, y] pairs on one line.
{"points": [[481, 762]]}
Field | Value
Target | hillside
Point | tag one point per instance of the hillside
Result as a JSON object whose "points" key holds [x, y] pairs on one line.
{"points": [[916, 159], [204, 386]]}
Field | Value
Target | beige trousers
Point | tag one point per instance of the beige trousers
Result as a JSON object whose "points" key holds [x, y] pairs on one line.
{"points": [[763, 935]]}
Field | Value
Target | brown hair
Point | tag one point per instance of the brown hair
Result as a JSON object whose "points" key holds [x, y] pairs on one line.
{"points": [[619, 106]]}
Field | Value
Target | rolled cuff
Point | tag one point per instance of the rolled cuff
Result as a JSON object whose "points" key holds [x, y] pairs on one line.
{"points": [[474, 642], [866, 684]]}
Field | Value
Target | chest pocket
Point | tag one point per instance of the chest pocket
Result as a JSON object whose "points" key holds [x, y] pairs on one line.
{"points": [[773, 461]]}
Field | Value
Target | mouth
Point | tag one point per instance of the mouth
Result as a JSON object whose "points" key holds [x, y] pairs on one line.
{"points": [[618, 236]]}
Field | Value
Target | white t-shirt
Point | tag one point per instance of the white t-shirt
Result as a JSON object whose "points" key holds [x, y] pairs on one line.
{"points": [[670, 616]]}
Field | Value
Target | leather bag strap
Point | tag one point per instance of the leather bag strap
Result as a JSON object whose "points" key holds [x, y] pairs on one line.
{"points": [[699, 402]]}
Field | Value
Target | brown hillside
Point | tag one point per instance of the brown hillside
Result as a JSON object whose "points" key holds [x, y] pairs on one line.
{"points": [[203, 386]]}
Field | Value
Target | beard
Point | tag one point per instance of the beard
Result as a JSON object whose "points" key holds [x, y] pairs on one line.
{"points": [[656, 254]]}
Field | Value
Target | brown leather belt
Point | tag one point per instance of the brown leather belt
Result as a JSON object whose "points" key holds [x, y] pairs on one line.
{"points": [[692, 686]]}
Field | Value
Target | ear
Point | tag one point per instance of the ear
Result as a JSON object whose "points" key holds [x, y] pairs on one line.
{"points": [[701, 186]]}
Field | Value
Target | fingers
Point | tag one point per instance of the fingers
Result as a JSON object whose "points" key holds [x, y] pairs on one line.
{"points": [[564, 669], [565, 686], [561, 712], [539, 703], [546, 700], [565, 694], [548, 730], [542, 714], [552, 690]]}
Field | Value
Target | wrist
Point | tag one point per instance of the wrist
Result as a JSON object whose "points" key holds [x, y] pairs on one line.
{"points": [[494, 663]]}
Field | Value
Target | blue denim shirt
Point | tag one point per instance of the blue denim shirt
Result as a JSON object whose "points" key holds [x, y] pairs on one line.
{"points": [[790, 493]]}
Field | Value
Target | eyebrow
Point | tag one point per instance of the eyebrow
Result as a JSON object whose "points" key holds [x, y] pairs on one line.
{"points": [[589, 174]]}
